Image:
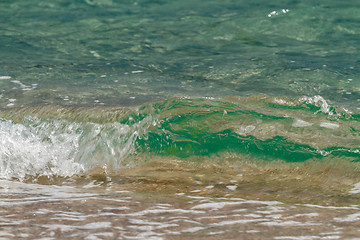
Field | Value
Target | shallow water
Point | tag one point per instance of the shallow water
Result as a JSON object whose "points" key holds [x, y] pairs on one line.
{"points": [[176, 120], [110, 212], [130, 52]]}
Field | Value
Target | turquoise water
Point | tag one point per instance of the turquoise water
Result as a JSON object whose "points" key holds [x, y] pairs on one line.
{"points": [[133, 52], [226, 99]]}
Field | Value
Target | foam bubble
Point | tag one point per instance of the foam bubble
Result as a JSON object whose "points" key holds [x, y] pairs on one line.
{"points": [[329, 125], [355, 189], [245, 130], [60, 148], [231, 187], [318, 101], [24, 152], [138, 71], [301, 123]]}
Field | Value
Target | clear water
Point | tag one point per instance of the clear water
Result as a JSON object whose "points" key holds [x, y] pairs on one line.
{"points": [[151, 108], [110, 52]]}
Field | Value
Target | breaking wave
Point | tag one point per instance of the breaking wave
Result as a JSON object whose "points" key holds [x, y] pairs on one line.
{"points": [[58, 141]]}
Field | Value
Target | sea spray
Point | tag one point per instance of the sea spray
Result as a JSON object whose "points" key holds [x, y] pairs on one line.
{"points": [[37, 150], [59, 148]]}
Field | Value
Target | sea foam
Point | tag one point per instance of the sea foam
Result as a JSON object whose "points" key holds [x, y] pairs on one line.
{"points": [[61, 148]]}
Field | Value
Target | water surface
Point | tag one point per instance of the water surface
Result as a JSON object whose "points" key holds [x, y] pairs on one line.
{"points": [[175, 120]]}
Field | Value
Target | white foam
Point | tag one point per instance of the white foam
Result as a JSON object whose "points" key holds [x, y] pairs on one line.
{"points": [[4, 77], [253, 215], [95, 54], [61, 148], [53, 193], [195, 191], [283, 102], [197, 197], [306, 215], [276, 13], [193, 229], [327, 207], [330, 233], [245, 130], [99, 236], [355, 189], [140, 221], [25, 87], [318, 101], [331, 237], [301, 123], [329, 125], [289, 223], [231, 187], [215, 205], [23, 152], [350, 218], [61, 227], [96, 225]]}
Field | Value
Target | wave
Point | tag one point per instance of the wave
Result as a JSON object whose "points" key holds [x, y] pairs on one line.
{"points": [[55, 141]]}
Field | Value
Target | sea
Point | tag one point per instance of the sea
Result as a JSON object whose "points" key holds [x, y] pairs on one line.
{"points": [[191, 119]]}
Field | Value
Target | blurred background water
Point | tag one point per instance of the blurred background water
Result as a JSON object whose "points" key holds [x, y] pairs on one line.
{"points": [[131, 52]]}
